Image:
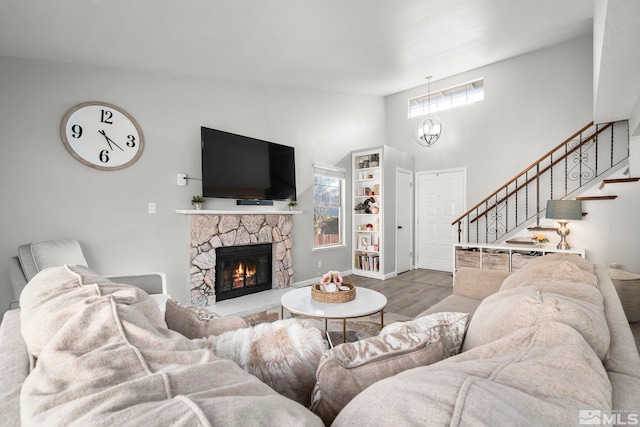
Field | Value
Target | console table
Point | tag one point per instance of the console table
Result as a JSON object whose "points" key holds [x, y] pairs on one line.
{"points": [[501, 257]]}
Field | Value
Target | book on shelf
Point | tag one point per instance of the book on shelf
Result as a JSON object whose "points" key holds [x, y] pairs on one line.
{"points": [[368, 262]]}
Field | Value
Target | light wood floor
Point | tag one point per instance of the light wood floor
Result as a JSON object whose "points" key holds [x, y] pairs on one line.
{"points": [[412, 292]]}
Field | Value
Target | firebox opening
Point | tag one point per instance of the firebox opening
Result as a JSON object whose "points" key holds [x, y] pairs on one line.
{"points": [[242, 270]]}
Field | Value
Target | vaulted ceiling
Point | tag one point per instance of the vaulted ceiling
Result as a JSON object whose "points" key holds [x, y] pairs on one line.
{"points": [[375, 47]]}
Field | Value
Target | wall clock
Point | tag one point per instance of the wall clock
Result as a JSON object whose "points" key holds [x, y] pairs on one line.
{"points": [[102, 136]]}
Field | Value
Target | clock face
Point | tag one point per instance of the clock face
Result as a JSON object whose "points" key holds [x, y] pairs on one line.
{"points": [[102, 136]]}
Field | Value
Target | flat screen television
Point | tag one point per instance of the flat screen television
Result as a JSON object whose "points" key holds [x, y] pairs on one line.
{"points": [[244, 168]]}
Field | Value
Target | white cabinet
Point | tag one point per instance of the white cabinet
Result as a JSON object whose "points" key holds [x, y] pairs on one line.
{"points": [[501, 257]]}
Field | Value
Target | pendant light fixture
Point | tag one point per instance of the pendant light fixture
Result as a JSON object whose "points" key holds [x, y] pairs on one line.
{"points": [[429, 130]]}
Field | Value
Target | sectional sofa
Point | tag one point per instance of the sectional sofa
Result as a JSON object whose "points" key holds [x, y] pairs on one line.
{"points": [[547, 345]]}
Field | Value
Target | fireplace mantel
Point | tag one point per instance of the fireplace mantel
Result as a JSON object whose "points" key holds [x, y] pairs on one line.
{"points": [[235, 212]]}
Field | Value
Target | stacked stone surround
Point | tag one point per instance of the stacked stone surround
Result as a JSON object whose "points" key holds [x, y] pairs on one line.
{"points": [[209, 232]]}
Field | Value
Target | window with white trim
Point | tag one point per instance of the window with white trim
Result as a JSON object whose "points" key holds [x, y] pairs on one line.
{"points": [[468, 93], [328, 206]]}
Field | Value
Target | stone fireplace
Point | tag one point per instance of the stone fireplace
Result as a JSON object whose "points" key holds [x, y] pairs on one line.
{"points": [[210, 232]]}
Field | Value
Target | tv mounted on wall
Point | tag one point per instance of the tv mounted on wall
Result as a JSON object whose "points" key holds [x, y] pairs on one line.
{"points": [[247, 169]]}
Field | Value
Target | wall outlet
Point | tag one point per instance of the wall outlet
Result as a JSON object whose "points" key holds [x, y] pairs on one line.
{"points": [[152, 207], [319, 264], [181, 180]]}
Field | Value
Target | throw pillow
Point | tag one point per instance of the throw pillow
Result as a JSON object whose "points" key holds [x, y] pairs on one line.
{"points": [[197, 322], [541, 375], [451, 325], [283, 354], [348, 369]]}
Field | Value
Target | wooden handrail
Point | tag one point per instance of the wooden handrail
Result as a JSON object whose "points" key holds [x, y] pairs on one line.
{"points": [[533, 178], [534, 164]]}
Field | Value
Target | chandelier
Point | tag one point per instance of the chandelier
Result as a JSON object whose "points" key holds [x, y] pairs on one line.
{"points": [[429, 130]]}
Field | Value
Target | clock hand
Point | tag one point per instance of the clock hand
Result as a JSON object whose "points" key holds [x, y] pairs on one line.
{"points": [[109, 140]]}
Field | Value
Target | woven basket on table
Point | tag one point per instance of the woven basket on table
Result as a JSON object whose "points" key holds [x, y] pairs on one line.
{"points": [[319, 294]]}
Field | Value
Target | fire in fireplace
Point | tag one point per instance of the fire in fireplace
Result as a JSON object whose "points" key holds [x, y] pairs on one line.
{"points": [[242, 270]]}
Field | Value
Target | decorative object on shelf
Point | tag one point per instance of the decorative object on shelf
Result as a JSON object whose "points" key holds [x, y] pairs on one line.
{"points": [[375, 209], [540, 239], [364, 206], [197, 202], [564, 211], [375, 160], [102, 136], [292, 205], [429, 130], [333, 288], [364, 242]]}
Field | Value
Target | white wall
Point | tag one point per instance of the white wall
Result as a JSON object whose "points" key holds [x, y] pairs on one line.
{"points": [[532, 103], [47, 194]]}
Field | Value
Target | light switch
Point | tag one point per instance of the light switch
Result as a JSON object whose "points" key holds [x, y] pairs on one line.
{"points": [[152, 207]]}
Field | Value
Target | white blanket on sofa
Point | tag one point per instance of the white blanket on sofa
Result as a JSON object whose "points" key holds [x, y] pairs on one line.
{"points": [[101, 360]]}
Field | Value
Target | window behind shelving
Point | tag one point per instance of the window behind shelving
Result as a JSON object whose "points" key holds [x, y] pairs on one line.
{"points": [[465, 94], [328, 206]]}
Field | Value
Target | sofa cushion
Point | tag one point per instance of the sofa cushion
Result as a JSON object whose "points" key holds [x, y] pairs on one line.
{"points": [[477, 283], [556, 269], [37, 256], [14, 365], [55, 294], [541, 375], [197, 322], [576, 259], [347, 369], [575, 304], [108, 364]]}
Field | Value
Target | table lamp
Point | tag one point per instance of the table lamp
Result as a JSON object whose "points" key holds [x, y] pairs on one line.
{"points": [[564, 211]]}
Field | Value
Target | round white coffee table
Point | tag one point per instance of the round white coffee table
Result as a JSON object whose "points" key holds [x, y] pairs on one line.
{"points": [[365, 303]]}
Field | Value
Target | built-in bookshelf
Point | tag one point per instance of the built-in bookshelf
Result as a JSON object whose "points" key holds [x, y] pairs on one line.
{"points": [[368, 220]]}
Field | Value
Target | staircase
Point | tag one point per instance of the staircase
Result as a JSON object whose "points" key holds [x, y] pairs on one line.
{"points": [[572, 168]]}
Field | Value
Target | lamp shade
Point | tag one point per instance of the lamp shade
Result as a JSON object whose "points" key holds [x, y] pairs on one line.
{"points": [[564, 209]]}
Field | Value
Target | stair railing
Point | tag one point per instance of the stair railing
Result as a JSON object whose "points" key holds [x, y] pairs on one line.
{"points": [[571, 165]]}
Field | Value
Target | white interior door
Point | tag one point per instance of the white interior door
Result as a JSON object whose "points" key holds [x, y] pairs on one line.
{"points": [[440, 199], [404, 220]]}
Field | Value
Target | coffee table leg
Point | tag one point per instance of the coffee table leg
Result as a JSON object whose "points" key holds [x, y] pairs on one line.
{"points": [[326, 329], [344, 331], [381, 319]]}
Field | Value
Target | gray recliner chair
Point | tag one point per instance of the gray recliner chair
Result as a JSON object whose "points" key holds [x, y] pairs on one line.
{"points": [[34, 257]]}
